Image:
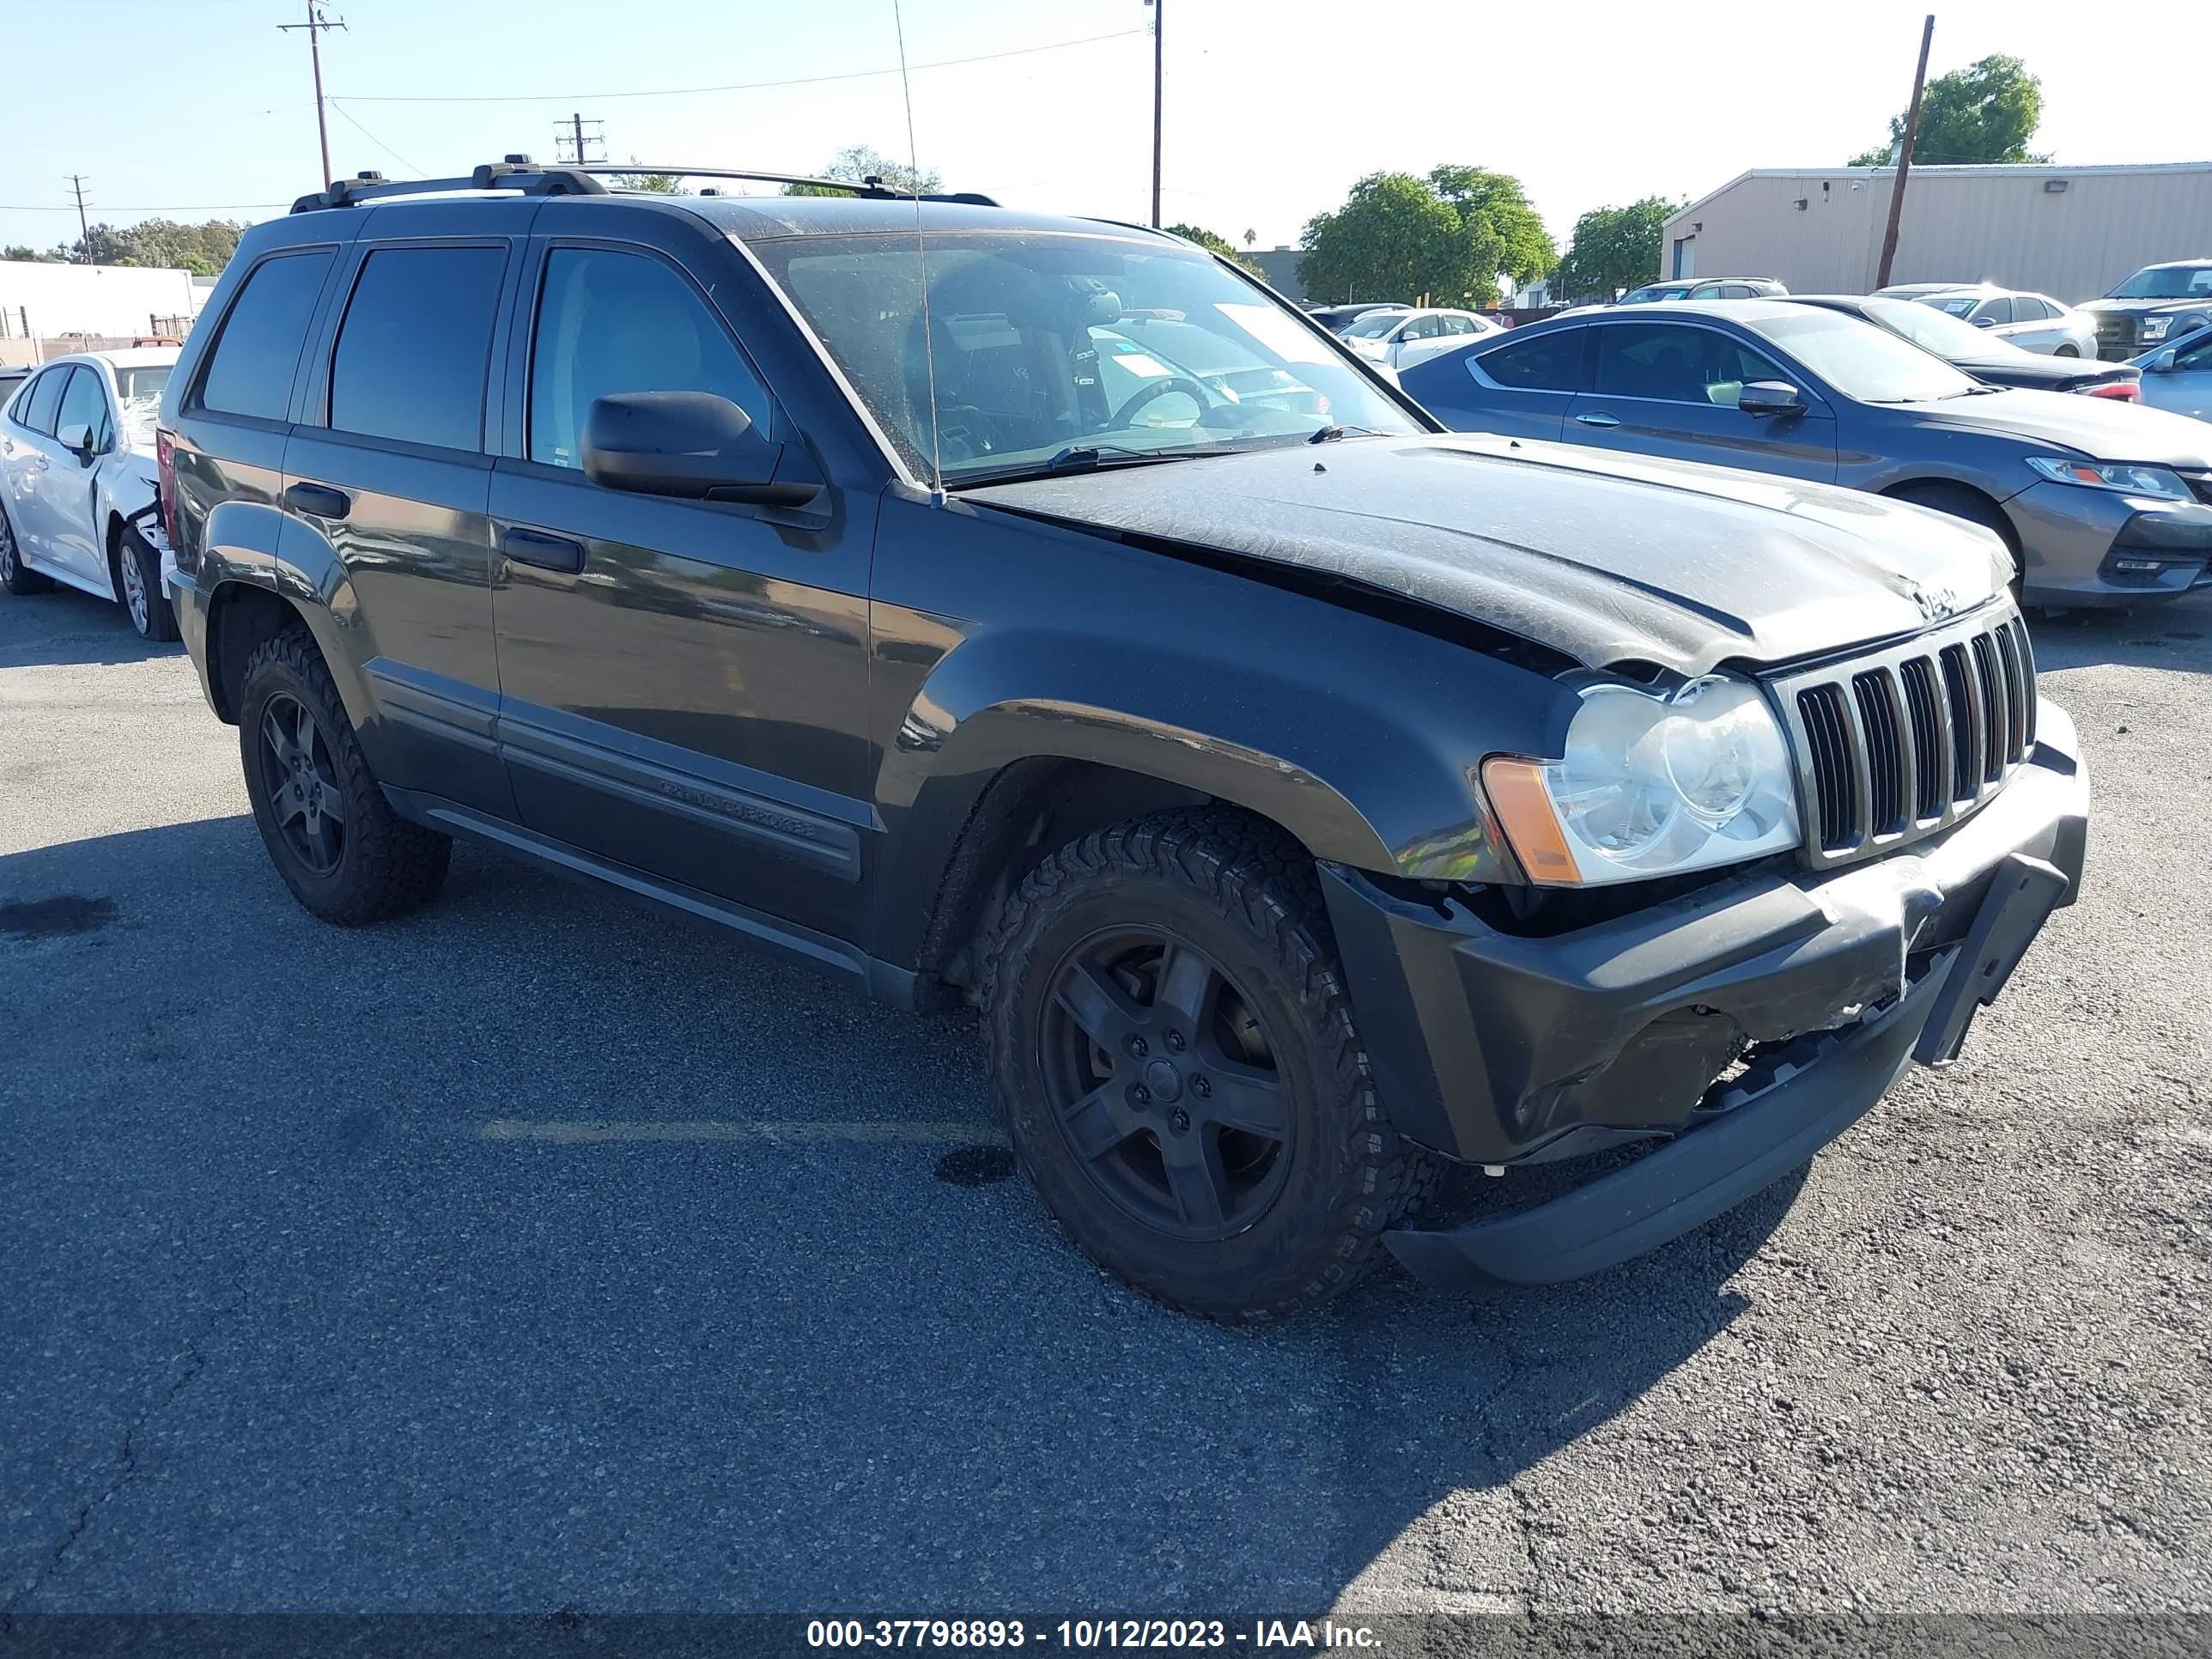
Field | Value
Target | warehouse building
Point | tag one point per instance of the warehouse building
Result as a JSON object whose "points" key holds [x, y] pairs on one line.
{"points": [[2071, 233], [45, 309]]}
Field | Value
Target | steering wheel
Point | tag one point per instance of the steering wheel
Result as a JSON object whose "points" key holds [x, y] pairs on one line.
{"points": [[1126, 416]]}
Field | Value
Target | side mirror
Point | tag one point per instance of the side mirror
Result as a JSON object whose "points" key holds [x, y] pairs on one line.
{"points": [[694, 445], [1770, 397], [2164, 362], [1986, 322], [78, 440]]}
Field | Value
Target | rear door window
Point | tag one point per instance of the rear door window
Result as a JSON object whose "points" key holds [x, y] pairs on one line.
{"points": [[413, 352], [611, 322], [1548, 363], [37, 406], [251, 371]]}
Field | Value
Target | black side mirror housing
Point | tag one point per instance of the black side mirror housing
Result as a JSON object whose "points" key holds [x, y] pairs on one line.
{"points": [[78, 440], [1770, 397], [694, 445]]}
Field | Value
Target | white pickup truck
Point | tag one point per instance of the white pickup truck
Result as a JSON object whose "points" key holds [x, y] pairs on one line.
{"points": [[79, 480]]}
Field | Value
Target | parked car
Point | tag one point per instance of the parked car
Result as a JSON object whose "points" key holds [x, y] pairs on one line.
{"points": [[2098, 503], [13, 375], [78, 476], [2178, 377], [1970, 351], [2159, 303], [1337, 318], [1710, 287], [1402, 338], [1914, 290], [2033, 322], [1304, 801]]}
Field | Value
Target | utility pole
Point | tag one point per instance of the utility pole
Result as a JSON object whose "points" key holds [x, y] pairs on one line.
{"points": [[83, 230], [315, 24], [1160, 25], [570, 135], [1905, 157]]}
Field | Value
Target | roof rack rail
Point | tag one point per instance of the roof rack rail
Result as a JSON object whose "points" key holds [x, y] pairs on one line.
{"points": [[519, 172], [516, 173], [872, 187]]}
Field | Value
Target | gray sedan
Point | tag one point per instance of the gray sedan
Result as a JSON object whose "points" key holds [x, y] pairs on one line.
{"points": [[2099, 503], [2179, 377]]}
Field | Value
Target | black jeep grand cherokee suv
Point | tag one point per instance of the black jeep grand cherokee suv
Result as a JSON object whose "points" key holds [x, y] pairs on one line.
{"points": [[1304, 796]]}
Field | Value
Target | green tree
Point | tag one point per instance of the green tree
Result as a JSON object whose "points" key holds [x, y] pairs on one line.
{"points": [[1986, 112], [1497, 200], [660, 184], [202, 249], [856, 163], [1212, 244], [1395, 238], [35, 256], [1613, 248]]}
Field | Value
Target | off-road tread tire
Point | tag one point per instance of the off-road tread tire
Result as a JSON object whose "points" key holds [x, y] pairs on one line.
{"points": [[21, 580], [161, 615], [1251, 875], [390, 866]]}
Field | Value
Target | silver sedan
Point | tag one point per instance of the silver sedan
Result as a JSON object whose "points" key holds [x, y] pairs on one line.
{"points": [[2033, 322]]}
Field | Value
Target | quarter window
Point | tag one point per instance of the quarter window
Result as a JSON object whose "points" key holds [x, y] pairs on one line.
{"points": [[609, 323], [251, 372], [1675, 363], [411, 355], [1549, 363]]}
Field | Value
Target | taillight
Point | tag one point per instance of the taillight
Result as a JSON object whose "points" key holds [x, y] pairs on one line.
{"points": [[165, 456], [2126, 391]]}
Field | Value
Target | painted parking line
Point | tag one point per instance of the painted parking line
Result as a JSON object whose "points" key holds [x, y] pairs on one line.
{"points": [[575, 1130]]}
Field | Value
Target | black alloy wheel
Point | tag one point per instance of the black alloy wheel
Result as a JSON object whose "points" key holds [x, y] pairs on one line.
{"points": [[1162, 1077]]}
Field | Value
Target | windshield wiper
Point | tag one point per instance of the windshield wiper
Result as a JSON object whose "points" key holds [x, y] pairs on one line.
{"points": [[1084, 456], [1329, 434]]}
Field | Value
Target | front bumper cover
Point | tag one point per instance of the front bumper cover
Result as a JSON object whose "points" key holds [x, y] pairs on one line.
{"points": [[1502, 1049]]}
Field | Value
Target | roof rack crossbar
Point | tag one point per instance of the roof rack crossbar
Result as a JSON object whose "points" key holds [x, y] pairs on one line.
{"points": [[516, 173]]}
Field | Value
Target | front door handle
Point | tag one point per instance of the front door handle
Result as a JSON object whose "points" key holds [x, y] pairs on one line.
{"points": [[546, 552], [318, 500], [1599, 420]]}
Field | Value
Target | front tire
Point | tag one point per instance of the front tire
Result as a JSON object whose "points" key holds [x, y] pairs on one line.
{"points": [[138, 584], [15, 576], [2066, 351], [1180, 1073], [345, 854]]}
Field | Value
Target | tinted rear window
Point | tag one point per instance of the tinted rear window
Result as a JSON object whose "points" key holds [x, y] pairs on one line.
{"points": [[251, 372], [1549, 363], [412, 354]]}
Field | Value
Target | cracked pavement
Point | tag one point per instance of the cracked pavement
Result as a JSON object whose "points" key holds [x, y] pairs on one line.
{"points": [[285, 1330]]}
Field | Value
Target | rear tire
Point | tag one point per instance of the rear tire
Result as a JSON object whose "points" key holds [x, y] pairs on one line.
{"points": [[345, 854], [1974, 507], [1148, 990], [15, 576], [138, 584]]}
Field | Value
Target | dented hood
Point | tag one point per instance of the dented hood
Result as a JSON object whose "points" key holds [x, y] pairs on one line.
{"points": [[1606, 557]]}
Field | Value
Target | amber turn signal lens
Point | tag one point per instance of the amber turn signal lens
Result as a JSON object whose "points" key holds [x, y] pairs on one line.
{"points": [[1524, 806]]}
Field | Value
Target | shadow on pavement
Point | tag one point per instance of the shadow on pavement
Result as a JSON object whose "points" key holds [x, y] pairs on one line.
{"points": [[67, 625], [429, 1370], [2177, 634]]}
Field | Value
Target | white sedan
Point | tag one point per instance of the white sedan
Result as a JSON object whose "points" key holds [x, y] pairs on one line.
{"points": [[1399, 339], [2033, 322], [77, 472]]}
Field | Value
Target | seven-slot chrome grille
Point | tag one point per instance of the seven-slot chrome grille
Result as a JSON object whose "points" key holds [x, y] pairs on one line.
{"points": [[1899, 743]]}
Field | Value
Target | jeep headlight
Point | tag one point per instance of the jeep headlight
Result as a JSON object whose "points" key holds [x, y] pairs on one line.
{"points": [[1651, 784]]}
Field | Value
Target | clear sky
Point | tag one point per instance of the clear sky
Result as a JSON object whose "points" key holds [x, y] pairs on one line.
{"points": [[201, 108]]}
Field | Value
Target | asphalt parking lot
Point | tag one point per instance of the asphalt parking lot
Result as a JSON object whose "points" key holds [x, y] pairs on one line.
{"points": [[312, 1304]]}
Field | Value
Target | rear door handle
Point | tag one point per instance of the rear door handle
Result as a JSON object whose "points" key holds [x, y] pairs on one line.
{"points": [[546, 552], [318, 500], [1598, 420]]}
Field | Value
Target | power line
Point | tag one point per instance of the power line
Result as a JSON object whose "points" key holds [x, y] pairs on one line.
{"points": [[734, 86], [315, 26], [411, 166], [570, 136]]}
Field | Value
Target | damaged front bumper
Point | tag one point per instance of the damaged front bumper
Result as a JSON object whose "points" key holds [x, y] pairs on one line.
{"points": [[1503, 1049]]}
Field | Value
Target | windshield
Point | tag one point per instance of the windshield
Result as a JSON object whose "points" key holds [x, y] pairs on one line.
{"points": [[1953, 304], [1863, 362], [1375, 324], [2165, 283], [1647, 295], [137, 384], [1042, 342], [1939, 331]]}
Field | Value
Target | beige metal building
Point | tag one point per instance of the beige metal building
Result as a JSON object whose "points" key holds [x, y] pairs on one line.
{"points": [[2071, 233]]}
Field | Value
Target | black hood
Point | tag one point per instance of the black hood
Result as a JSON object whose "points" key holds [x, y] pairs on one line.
{"points": [[2148, 307], [1605, 557]]}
